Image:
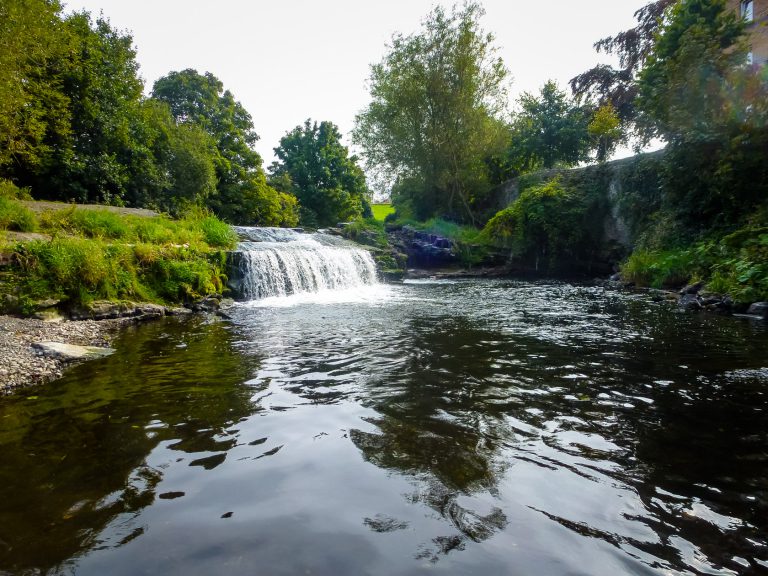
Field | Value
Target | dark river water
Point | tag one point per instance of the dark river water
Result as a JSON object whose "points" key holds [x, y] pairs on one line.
{"points": [[474, 427]]}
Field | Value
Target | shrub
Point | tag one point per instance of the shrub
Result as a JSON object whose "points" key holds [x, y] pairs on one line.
{"points": [[545, 226], [15, 216]]}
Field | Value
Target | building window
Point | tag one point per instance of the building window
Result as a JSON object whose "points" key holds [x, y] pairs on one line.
{"points": [[748, 10]]}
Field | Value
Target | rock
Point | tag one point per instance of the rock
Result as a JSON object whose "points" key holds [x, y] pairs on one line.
{"points": [[70, 351], [689, 302], [178, 311], [759, 309], [207, 304], [100, 310], [48, 315], [150, 311], [692, 288], [615, 277], [49, 303], [226, 303]]}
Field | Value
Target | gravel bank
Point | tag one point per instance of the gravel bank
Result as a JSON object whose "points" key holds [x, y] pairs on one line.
{"points": [[21, 365]]}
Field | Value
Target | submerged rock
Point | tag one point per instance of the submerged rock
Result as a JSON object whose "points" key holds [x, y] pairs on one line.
{"points": [[689, 302], [70, 351], [759, 309]]}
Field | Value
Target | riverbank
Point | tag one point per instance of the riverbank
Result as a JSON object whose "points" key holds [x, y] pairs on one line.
{"points": [[25, 363]]}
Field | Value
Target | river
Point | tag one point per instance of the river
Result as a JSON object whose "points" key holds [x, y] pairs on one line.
{"points": [[467, 427]]}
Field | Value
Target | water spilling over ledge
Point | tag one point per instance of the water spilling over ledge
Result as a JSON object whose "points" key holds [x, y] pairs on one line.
{"points": [[273, 262]]}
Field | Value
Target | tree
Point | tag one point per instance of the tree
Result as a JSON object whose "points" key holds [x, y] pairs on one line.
{"points": [[697, 92], [618, 86], [605, 130], [95, 151], [242, 193], [549, 129], [33, 46], [327, 181], [686, 87], [438, 97]]}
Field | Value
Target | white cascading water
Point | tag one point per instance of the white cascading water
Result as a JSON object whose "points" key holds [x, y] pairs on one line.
{"points": [[281, 262]]}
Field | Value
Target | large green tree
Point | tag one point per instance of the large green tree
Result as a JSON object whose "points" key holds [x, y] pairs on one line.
{"points": [[316, 167], [33, 48], [242, 193], [688, 86], [91, 144], [549, 129], [437, 103], [617, 85], [697, 93]]}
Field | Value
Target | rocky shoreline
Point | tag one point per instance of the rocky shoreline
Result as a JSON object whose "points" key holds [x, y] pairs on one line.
{"points": [[26, 362], [38, 349]]}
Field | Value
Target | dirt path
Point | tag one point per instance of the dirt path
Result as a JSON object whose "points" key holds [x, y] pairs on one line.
{"points": [[40, 206]]}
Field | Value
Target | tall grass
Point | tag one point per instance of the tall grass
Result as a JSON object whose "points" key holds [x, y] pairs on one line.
{"points": [[194, 228], [99, 254], [735, 264], [15, 216]]}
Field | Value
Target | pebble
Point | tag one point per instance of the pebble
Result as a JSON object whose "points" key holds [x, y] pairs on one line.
{"points": [[22, 365]]}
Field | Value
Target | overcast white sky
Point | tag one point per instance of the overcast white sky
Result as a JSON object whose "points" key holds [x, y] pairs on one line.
{"points": [[288, 60]]}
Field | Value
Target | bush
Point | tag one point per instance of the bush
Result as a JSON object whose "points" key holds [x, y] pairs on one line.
{"points": [[544, 227], [10, 191], [15, 216], [735, 264]]}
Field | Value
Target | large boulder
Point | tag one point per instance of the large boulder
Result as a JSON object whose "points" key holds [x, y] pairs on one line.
{"points": [[63, 351]]}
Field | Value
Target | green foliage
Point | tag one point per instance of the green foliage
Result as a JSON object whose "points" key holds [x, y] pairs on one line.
{"points": [[684, 88], [216, 232], [15, 216], [9, 190], [438, 99], [199, 103], [314, 166], [547, 226], [660, 269], [368, 231], [696, 93], [97, 254], [605, 130], [548, 130], [381, 211], [81, 270], [33, 47], [735, 264], [197, 227]]}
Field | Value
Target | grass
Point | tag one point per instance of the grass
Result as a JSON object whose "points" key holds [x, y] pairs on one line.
{"points": [[102, 255], [381, 211], [735, 264], [16, 217], [194, 228]]}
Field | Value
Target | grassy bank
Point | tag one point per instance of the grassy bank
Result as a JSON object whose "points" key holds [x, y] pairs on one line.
{"points": [[78, 256], [733, 264], [381, 211]]}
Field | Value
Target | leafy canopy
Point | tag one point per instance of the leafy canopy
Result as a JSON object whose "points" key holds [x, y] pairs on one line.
{"points": [[549, 129], [242, 194], [437, 102], [316, 167]]}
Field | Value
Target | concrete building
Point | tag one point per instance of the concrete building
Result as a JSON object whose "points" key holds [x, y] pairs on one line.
{"points": [[755, 12]]}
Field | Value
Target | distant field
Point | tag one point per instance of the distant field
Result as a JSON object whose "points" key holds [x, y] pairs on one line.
{"points": [[380, 211]]}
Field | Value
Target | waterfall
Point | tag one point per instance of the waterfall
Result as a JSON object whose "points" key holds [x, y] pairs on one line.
{"points": [[280, 262]]}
